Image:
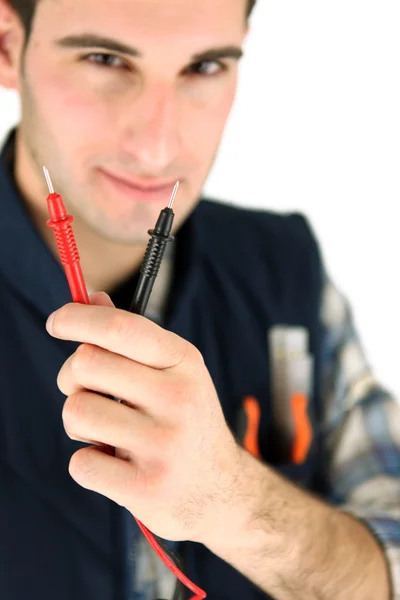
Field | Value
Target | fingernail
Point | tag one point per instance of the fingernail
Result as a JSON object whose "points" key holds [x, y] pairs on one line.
{"points": [[49, 323]]}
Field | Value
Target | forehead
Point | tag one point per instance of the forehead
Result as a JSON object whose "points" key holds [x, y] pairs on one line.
{"points": [[202, 21]]}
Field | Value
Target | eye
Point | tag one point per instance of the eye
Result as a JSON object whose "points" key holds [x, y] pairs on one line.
{"points": [[110, 61], [207, 67]]}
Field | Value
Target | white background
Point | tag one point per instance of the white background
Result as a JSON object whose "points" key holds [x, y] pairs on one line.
{"points": [[316, 128]]}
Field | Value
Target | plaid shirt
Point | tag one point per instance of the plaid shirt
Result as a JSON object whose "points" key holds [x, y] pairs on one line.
{"points": [[361, 431]]}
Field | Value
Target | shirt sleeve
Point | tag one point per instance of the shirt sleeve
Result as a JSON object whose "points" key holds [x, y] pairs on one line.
{"points": [[362, 433]]}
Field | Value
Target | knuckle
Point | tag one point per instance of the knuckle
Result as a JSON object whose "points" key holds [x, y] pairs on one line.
{"points": [[190, 358], [162, 441], [177, 354], [171, 446], [195, 355], [73, 409], [124, 327], [180, 393], [179, 351], [154, 479], [84, 359], [81, 466]]}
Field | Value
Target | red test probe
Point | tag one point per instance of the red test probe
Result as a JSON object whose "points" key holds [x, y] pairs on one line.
{"points": [[60, 222]]}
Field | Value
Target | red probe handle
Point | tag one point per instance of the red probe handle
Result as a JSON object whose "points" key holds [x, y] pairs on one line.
{"points": [[77, 285], [60, 222]]}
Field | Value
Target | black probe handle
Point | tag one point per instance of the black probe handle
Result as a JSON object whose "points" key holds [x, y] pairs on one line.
{"points": [[160, 236], [142, 296]]}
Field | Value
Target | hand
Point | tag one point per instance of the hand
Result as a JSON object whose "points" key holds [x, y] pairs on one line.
{"points": [[177, 466]]}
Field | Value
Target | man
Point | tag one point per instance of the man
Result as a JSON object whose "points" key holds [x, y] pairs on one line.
{"points": [[120, 99]]}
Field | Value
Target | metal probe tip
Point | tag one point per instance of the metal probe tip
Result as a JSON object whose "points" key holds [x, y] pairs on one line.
{"points": [[47, 175], [175, 191]]}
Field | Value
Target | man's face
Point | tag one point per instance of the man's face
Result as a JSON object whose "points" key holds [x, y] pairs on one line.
{"points": [[120, 96]]}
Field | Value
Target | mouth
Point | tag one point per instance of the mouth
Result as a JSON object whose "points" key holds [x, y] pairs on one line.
{"points": [[139, 190]]}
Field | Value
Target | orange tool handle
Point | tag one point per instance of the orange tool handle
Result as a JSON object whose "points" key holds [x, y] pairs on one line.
{"points": [[253, 414], [302, 428]]}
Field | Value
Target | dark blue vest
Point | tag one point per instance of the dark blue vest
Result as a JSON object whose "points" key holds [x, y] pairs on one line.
{"points": [[239, 273]]}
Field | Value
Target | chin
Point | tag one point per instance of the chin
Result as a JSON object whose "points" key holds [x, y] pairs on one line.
{"points": [[124, 236]]}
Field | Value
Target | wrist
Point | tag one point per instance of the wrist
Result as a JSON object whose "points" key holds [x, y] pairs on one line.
{"points": [[245, 525]]}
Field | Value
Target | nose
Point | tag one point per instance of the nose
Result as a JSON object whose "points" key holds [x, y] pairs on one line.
{"points": [[151, 134]]}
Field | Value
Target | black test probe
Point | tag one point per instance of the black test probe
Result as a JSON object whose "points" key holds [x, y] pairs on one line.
{"points": [[160, 236]]}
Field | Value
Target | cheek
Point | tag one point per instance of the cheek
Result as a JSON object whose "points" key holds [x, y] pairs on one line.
{"points": [[71, 112], [206, 121]]}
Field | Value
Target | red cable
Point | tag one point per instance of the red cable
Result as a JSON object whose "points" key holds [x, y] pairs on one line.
{"points": [[60, 222], [200, 594]]}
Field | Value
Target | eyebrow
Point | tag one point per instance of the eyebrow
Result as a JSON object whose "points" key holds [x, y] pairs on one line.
{"points": [[88, 40], [234, 52]]}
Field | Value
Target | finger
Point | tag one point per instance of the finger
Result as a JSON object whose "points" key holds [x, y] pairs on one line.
{"points": [[120, 332], [93, 368], [93, 469], [88, 416], [101, 299]]}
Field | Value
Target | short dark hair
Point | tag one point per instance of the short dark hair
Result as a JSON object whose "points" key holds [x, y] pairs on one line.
{"points": [[25, 9], [250, 6]]}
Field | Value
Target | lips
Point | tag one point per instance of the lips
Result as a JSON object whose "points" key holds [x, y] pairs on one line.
{"points": [[139, 189], [140, 184]]}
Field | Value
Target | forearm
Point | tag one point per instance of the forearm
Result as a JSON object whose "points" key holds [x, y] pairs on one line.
{"points": [[295, 547]]}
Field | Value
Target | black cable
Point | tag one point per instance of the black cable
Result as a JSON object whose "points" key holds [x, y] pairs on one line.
{"points": [[160, 237]]}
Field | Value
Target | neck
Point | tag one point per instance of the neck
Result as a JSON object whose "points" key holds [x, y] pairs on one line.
{"points": [[105, 264]]}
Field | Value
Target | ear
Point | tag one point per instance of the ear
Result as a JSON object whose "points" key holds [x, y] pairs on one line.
{"points": [[12, 38]]}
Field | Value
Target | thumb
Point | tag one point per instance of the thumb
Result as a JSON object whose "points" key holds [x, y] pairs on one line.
{"points": [[101, 299]]}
